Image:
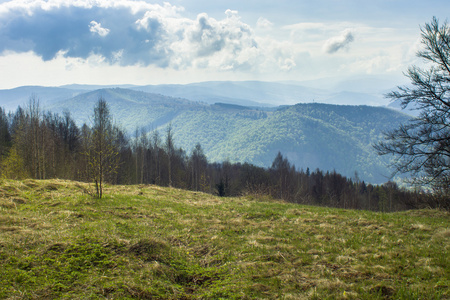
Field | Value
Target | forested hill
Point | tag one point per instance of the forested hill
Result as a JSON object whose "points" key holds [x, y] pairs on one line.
{"points": [[328, 137], [130, 109], [324, 136]]}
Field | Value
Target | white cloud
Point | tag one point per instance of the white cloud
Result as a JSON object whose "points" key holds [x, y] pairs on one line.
{"points": [[226, 44], [138, 36], [337, 43], [95, 27], [31, 6], [136, 33], [263, 23]]}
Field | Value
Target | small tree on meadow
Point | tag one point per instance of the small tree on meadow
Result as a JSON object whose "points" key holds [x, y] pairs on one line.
{"points": [[102, 152]]}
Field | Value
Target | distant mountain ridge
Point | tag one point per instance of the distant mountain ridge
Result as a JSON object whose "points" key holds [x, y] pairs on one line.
{"points": [[311, 135], [130, 108], [351, 91], [12, 98]]}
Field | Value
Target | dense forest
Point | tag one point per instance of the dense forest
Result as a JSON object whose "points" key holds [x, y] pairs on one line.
{"points": [[43, 145], [315, 135]]}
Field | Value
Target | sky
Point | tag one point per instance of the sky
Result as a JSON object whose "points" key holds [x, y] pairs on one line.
{"points": [[57, 42]]}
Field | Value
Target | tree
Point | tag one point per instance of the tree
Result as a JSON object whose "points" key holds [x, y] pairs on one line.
{"points": [[102, 151], [5, 136], [28, 135], [169, 145], [422, 146], [13, 166], [198, 167], [281, 168], [156, 155]]}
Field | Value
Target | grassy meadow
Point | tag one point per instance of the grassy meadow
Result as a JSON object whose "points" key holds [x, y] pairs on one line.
{"points": [[149, 242]]}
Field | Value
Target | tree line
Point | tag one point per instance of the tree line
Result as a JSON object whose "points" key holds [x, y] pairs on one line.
{"points": [[42, 145]]}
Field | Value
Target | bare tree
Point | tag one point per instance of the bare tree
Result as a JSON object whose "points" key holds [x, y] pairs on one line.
{"points": [[102, 154], [5, 135], [170, 148], [198, 167], [422, 146]]}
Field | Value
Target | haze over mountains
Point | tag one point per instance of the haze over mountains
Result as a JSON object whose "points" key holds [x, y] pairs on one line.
{"points": [[368, 90], [246, 121]]}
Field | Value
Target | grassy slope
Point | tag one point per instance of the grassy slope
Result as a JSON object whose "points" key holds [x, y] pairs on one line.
{"points": [[147, 241]]}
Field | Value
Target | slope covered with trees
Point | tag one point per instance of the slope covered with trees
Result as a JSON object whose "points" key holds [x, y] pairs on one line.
{"points": [[129, 108], [43, 145], [328, 137]]}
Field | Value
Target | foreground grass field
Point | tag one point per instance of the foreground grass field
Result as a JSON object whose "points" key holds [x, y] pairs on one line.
{"points": [[148, 242]]}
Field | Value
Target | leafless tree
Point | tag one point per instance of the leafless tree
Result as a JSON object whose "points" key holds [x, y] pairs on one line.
{"points": [[102, 153], [422, 146]]}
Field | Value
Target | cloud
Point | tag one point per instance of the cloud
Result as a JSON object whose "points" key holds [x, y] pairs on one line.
{"points": [[97, 28], [337, 43], [84, 28], [227, 44], [128, 33], [263, 23]]}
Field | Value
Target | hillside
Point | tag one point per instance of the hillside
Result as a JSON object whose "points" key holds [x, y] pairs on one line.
{"points": [[367, 90], [130, 109], [10, 99], [324, 136], [145, 242], [249, 93]]}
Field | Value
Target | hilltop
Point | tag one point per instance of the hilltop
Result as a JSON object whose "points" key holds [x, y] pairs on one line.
{"points": [[311, 135], [145, 242]]}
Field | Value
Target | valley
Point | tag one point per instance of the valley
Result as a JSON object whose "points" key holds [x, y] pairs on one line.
{"points": [[311, 135]]}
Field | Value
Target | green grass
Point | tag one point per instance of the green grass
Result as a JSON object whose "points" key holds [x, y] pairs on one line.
{"points": [[150, 242]]}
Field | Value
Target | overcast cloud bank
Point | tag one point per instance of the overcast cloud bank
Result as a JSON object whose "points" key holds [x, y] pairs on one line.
{"points": [[134, 33], [124, 41]]}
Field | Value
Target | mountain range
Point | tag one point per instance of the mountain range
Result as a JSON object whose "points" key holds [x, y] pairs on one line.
{"points": [[240, 121], [368, 90]]}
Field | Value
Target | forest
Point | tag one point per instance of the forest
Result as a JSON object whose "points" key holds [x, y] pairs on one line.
{"points": [[42, 145], [315, 135]]}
